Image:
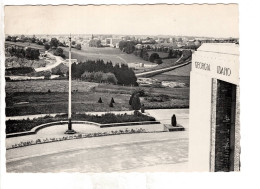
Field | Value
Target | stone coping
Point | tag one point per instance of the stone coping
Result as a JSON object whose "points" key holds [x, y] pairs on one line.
{"points": [[39, 127], [171, 128]]}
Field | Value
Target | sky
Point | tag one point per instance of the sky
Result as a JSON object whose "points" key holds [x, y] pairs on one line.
{"points": [[185, 20]]}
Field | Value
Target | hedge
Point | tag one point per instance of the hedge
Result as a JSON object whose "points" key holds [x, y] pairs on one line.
{"points": [[14, 126]]}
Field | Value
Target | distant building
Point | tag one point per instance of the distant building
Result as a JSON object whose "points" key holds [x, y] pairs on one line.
{"points": [[112, 42], [72, 61]]}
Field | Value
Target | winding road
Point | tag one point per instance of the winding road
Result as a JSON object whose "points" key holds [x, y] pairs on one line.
{"points": [[155, 72], [57, 61]]}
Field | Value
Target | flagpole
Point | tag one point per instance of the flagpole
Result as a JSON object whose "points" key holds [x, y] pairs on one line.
{"points": [[70, 130]]}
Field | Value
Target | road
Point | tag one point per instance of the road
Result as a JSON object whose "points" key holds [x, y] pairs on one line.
{"points": [[155, 72], [57, 61], [157, 152]]}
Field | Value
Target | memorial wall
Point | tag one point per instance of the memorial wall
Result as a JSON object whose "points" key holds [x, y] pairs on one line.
{"points": [[214, 108]]}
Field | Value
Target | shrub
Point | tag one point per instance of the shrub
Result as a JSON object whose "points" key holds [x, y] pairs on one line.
{"points": [[111, 104], [112, 100], [47, 75], [142, 108], [140, 92], [13, 126], [20, 70], [158, 61], [98, 76], [136, 104], [111, 78], [100, 100], [131, 98], [174, 122]]}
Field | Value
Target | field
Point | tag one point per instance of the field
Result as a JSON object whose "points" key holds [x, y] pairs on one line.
{"points": [[105, 53], [36, 101], [45, 85], [181, 75], [26, 44], [91, 53], [182, 71], [166, 63]]}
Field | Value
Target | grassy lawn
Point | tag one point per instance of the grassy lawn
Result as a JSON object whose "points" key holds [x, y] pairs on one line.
{"points": [[45, 85], [181, 75], [42, 102], [105, 53], [182, 71], [174, 78], [166, 63]]}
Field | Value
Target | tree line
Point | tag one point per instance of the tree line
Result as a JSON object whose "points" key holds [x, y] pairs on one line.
{"points": [[124, 75], [53, 43], [28, 53], [149, 53]]}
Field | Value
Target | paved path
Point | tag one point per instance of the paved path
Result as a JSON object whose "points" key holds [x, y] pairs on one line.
{"points": [[165, 151], [162, 115], [105, 154]]}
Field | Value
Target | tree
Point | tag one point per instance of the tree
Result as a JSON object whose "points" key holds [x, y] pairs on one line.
{"points": [[78, 46], [98, 76], [73, 43], [59, 72], [33, 40], [158, 61], [13, 39], [111, 78], [95, 43], [47, 46], [40, 42], [170, 53], [47, 75], [9, 38], [136, 104], [22, 38], [54, 42], [154, 56], [59, 52], [145, 55]]}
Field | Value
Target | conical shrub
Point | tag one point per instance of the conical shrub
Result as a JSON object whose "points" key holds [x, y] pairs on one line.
{"points": [[112, 100], [111, 104], [100, 100]]}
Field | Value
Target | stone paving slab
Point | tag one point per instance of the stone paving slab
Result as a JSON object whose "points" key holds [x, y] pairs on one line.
{"points": [[103, 154]]}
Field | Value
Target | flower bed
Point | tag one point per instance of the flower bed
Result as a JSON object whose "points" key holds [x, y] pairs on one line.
{"points": [[15, 126], [76, 136]]}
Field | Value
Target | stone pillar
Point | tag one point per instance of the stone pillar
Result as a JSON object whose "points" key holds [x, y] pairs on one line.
{"points": [[237, 132], [213, 124]]}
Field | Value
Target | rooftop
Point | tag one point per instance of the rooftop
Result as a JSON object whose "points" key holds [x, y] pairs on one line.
{"points": [[223, 48]]}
